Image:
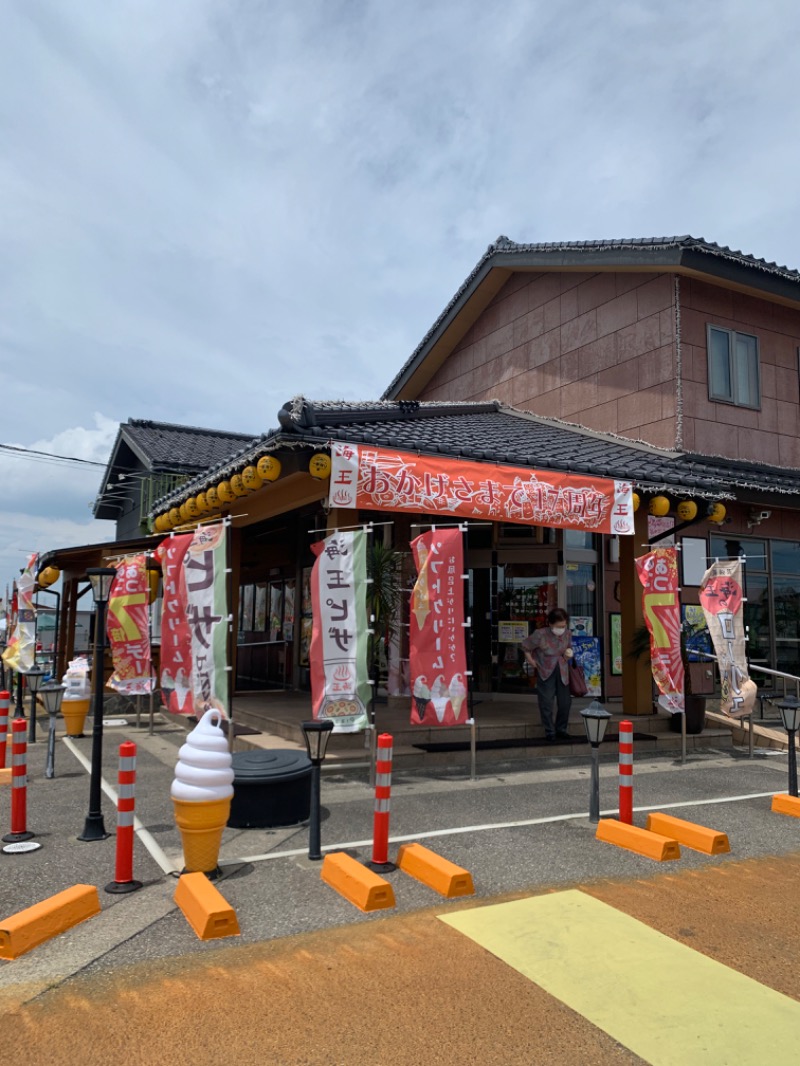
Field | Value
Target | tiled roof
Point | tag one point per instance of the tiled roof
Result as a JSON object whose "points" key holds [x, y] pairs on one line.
{"points": [[647, 253], [493, 432], [176, 447]]}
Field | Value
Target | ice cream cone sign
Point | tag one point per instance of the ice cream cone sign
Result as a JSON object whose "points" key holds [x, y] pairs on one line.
{"points": [[422, 695], [440, 697], [201, 792], [458, 693], [420, 599]]}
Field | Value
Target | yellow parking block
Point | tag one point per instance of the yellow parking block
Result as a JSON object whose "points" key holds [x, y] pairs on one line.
{"points": [[785, 804], [652, 845], [205, 908], [360, 886], [432, 870], [47, 919], [696, 837]]}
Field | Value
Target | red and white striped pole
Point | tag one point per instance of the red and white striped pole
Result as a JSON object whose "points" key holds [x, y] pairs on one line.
{"points": [[123, 875], [5, 701], [19, 785], [626, 772], [383, 791]]}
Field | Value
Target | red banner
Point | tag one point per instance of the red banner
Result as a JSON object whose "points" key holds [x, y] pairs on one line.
{"points": [[658, 573], [438, 659], [721, 597], [176, 636], [377, 479], [127, 628]]}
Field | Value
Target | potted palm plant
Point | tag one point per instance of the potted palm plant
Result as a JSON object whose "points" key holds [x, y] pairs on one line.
{"points": [[695, 706], [384, 569]]}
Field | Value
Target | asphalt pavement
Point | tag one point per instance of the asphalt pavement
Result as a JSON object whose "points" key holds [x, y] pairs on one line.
{"points": [[521, 826]]}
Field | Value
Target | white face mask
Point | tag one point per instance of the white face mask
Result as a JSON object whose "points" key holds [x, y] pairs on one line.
{"points": [[558, 630]]}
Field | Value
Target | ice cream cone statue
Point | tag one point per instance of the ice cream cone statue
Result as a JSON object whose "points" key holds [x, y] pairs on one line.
{"points": [[420, 599], [201, 793]]}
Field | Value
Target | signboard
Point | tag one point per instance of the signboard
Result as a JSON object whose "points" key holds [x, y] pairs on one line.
{"points": [[379, 479], [512, 632]]}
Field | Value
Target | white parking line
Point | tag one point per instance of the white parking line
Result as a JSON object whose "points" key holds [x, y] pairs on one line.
{"points": [[493, 825]]}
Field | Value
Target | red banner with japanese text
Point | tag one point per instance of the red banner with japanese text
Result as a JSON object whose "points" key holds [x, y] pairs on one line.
{"points": [[176, 637], [128, 628], [337, 654], [438, 660], [387, 480], [721, 597], [658, 573], [206, 592]]}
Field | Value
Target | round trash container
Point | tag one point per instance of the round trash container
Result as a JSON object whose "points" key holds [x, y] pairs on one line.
{"points": [[270, 788]]}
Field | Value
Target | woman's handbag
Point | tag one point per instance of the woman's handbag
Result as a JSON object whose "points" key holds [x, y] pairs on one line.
{"points": [[577, 679]]}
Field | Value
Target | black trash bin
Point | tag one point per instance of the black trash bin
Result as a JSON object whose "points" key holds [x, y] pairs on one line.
{"points": [[271, 788]]}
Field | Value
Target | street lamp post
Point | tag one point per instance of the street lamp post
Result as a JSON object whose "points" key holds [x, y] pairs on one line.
{"points": [[101, 578], [52, 693], [790, 715], [595, 720], [34, 677], [316, 736]]}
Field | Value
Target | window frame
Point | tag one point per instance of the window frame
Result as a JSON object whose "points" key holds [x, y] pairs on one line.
{"points": [[733, 399]]}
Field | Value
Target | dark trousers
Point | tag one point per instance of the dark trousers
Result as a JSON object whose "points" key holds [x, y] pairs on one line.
{"points": [[549, 689]]}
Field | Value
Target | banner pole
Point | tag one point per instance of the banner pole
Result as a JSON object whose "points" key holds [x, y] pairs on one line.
{"points": [[374, 669], [683, 736], [229, 642], [473, 738]]}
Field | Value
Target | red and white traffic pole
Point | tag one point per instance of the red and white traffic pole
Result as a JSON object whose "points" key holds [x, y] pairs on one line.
{"points": [[126, 800], [5, 701], [626, 772], [19, 785], [383, 791]]}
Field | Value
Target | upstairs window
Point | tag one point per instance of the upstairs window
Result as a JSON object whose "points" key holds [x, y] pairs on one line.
{"points": [[733, 367]]}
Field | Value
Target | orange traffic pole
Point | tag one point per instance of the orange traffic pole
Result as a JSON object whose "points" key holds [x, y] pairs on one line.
{"points": [[123, 875], [626, 772], [19, 784], [5, 700], [383, 789]]}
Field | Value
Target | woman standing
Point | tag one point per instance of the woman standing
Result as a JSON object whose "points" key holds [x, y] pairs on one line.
{"points": [[549, 650]]}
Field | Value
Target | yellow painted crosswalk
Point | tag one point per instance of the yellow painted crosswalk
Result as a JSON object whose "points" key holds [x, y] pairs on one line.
{"points": [[668, 1004]]}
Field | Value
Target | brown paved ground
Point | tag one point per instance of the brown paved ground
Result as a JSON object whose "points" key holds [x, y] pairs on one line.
{"points": [[399, 992]]}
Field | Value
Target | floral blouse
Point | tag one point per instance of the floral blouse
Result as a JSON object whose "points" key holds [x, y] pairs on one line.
{"points": [[548, 651]]}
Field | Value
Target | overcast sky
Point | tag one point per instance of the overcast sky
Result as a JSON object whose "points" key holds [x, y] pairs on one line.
{"points": [[209, 206]]}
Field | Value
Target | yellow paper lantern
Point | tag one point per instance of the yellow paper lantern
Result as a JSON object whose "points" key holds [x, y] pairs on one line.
{"points": [[637, 499], [48, 576], [237, 485], [319, 466], [184, 513], [687, 510], [225, 492], [202, 504], [717, 513], [158, 524], [251, 479], [191, 507], [175, 516], [269, 467], [659, 506], [153, 578], [212, 499]]}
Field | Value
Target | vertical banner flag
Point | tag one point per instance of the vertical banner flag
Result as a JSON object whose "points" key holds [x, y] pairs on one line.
{"points": [[438, 660], [721, 599], [176, 640], [128, 628], [658, 573], [207, 615], [21, 647], [338, 651]]}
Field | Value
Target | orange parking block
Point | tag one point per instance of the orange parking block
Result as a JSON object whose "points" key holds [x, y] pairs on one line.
{"points": [[360, 886], [5, 776], [205, 908], [47, 919], [651, 845], [696, 837], [786, 804], [432, 870]]}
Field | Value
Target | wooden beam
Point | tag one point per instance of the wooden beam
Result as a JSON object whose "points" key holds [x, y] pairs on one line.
{"points": [[637, 674]]}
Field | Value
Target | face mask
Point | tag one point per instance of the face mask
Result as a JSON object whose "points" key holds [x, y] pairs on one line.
{"points": [[558, 630]]}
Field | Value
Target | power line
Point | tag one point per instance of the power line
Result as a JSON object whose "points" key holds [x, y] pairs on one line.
{"points": [[37, 456]]}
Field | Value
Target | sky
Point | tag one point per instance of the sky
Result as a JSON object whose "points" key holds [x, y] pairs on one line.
{"points": [[208, 207]]}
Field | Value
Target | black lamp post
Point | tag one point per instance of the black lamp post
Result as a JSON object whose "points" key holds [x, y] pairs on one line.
{"points": [[316, 736], [595, 720], [790, 716], [52, 694], [34, 677], [101, 578]]}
